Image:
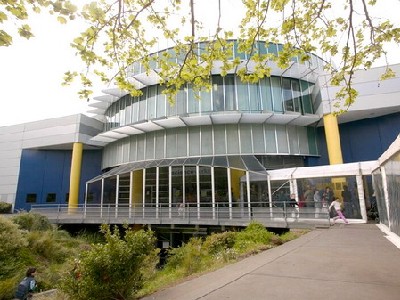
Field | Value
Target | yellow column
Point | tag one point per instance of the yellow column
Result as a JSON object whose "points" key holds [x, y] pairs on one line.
{"points": [[235, 183], [137, 188], [75, 176], [332, 137]]}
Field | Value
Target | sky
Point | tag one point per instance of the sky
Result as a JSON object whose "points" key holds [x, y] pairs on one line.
{"points": [[31, 71]]}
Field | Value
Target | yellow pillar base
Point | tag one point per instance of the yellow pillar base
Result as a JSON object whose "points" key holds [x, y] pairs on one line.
{"points": [[75, 177], [332, 137]]}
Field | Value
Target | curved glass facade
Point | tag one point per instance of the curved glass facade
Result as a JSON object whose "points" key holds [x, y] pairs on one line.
{"points": [[213, 140], [229, 94], [200, 148]]}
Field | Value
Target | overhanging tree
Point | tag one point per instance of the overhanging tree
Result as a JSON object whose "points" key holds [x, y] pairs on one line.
{"points": [[121, 32]]}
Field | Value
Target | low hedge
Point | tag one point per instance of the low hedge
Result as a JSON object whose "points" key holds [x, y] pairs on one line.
{"points": [[5, 208]]}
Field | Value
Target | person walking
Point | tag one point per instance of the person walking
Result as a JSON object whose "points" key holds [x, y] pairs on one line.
{"points": [[336, 203]]}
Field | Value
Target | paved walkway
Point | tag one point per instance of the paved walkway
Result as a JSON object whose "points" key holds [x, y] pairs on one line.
{"points": [[353, 261]]}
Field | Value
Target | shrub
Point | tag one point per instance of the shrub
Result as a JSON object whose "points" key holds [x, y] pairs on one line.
{"points": [[217, 242], [46, 245], [112, 270], [252, 236], [5, 208], [188, 259], [32, 222], [11, 241]]}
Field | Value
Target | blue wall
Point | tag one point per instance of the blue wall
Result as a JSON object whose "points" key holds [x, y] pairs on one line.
{"points": [[47, 171], [361, 140]]}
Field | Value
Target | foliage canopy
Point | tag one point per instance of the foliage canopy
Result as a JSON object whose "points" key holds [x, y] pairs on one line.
{"points": [[121, 32]]}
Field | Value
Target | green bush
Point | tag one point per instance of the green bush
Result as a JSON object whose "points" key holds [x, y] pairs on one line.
{"points": [[252, 236], [188, 259], [5, 208], [32, 222], [12, 241], [217, 242], [113, 270], [12, 245], [7, 287]]}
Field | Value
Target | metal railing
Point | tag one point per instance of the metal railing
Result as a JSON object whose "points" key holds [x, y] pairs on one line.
{"points": [[280, 214]]}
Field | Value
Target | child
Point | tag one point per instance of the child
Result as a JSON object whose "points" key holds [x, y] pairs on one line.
{"points": [[337, 205]]}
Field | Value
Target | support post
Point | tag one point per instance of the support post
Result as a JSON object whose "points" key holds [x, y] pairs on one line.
{"points": [[75, 176]]}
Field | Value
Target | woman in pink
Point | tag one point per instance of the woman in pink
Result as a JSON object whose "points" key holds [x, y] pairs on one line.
{"points": [[337, 205]]}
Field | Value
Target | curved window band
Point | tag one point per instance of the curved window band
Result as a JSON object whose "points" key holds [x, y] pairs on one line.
{"points": [[229, 94]]}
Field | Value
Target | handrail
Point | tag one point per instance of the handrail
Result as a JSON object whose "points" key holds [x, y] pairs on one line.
{"points": [[281, 213]]}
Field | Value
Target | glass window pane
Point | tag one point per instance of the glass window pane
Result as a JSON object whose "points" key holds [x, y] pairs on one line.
{"points": [[181, 102], [270, 138], [177, 185], [218, 93], [125, 150], [272, 48], [312, 140], [205, 184], [122, 106], [190, 184], [171, 108], [133, 149], [135, 110], [206, 140], [161, 103], [287, 94], [232, 139], [140, 147], [296, 95], [279, 47], [150, 145], [142, 106], [243, 95], [151, 186], [221, 185], [205, 101], [163, 185], [258, 138], [255, 99], [181, 135], [266, 94], [230, 96], [193, 100], [219, 139], [171, 143], [276, 94], [293, 140], [306, 90], [238, 54], [303, 140], [245, 138], [151, 102], [129, 109], [282, 139], [194, 141], [159, 148], [262, 48]]}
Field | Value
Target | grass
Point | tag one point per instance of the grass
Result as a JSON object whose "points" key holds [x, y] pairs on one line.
{"points": [[52, 250], [171, 276]]}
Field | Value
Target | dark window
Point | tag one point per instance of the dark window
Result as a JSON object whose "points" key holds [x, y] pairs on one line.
{"points": [[51, 197], [31, 198], [90, 197], [67, 197]]}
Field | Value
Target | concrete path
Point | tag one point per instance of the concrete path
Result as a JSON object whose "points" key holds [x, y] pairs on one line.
{"points": [[353, 261]]}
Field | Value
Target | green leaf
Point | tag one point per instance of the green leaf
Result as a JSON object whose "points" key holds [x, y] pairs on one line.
{"points": [[62, 20], [5, 39], [25, 31]]}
